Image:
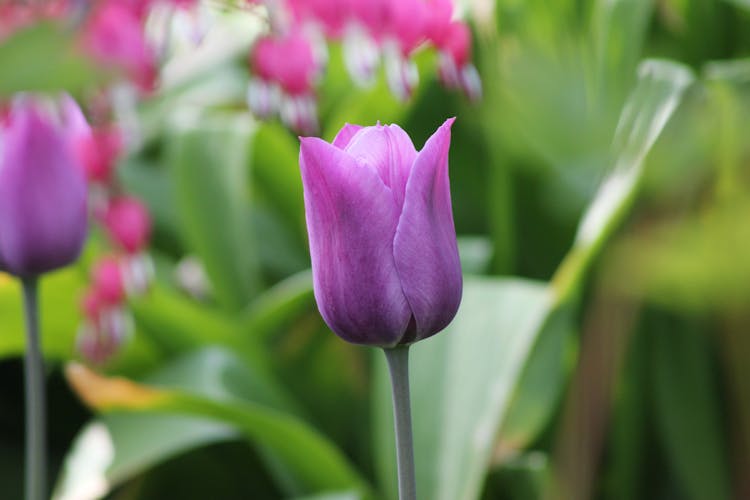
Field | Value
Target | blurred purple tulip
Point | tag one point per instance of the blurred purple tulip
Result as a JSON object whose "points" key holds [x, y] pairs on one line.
{"points": [[43, 214], [385, 261]]}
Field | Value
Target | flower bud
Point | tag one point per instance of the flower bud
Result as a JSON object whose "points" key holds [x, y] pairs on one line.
{"points": [[128, 224], [385, 261], [108, 282], [43, 214]]}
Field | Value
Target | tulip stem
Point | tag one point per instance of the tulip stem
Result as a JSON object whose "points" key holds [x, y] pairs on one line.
{"points": [[398, 366], [36, 464]]}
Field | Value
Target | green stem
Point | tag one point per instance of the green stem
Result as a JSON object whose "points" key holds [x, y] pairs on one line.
{"points": [[36, 474], [398, 366]]}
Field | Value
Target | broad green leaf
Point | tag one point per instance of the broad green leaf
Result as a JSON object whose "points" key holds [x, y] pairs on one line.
{"points": [[541, 383], [687, 411], [43, 58], [462, 380], [619, 30], [646, 112], [178, 323], [60, 292], [118, 446], [209, 166], [310, 460]]}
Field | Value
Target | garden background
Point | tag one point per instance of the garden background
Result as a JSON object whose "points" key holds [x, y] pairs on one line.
{"points": [[601, 193]]}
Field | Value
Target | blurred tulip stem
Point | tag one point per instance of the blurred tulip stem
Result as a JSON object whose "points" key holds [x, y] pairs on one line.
{"points": [[398, 366], [34, 384]]}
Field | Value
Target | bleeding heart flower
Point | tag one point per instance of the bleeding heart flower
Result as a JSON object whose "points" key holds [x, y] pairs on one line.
{"points": [[385, 261], [108, 281], [128, 223], [115, 36]]}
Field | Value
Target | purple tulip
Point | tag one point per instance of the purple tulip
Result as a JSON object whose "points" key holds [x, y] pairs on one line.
{"points": [[43, 214], [383, 245]]}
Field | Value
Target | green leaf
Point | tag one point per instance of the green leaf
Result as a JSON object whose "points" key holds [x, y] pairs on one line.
{"points": [[43, 58], [217, 388], [117, 447], [276, 173], [178, 323], [629, 439], [209, 166], [541, 383], [687, 411], [646, 112], [462, 380], [279, 304], [619, 28]]}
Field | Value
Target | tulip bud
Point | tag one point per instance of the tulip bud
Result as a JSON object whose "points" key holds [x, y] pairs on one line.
{"points": [[43, 214], [385, 261], [128, 223]]}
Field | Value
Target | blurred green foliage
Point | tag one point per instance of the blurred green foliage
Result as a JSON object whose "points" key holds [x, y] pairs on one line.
{"points": [[601, 351]]}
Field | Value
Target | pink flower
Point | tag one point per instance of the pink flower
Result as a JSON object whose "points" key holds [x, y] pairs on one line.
{"points": [[128, 223], [17, 15], [114, 35], [286, 68], [406, 23], [439, 14], [98, 152], [107, 277], [330, 15], [456, 69], [288, 60]]}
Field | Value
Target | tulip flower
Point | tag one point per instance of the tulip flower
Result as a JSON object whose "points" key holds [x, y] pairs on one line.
{"points": [[385, 262], [43, 225], [43, 213]]}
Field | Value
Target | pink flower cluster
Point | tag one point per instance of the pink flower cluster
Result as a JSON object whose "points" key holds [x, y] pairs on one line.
{"points": [[126, 222], [112, 31], [17, 15], [287, 62]]}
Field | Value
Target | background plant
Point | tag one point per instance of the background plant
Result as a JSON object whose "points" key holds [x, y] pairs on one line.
{"points": [[599, 191]]}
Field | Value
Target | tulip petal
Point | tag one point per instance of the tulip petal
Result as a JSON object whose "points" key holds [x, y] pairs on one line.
{"points": [[345, 135], [389, 150], [425, 246], [43, 215], [351, 222], [74, 123]]}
